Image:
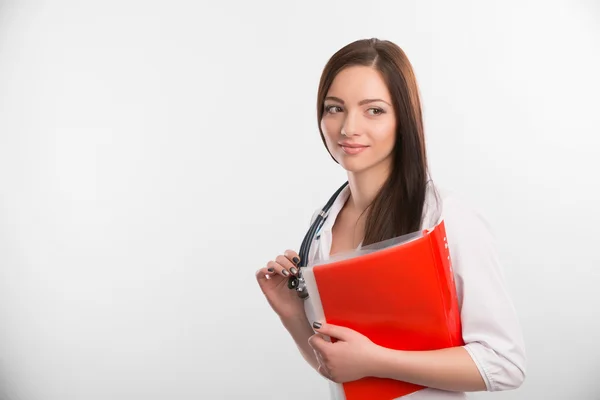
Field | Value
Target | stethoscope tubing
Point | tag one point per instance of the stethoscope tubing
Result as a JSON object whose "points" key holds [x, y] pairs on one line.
{"points": [[294, 282]]}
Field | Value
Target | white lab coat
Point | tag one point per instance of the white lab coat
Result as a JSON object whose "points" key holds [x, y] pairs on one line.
{"points": [[490, 326]]}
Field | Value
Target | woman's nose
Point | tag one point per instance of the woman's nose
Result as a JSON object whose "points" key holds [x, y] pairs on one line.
{"points": [[351, 125]]}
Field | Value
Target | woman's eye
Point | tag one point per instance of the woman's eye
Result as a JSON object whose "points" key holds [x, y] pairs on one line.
{"points": [[375, 111], [333, 109]]}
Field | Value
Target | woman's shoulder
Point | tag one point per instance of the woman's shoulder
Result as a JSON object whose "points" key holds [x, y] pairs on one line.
{"points": [[471, 238], [460, 214]]}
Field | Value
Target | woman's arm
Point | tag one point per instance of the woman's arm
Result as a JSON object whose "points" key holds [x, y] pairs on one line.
{"points": [[353, 356], [300, 328], [490, 326], [450, 369]]}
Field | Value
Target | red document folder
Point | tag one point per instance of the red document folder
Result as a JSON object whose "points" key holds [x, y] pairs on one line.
{"points": [[401, 297]]}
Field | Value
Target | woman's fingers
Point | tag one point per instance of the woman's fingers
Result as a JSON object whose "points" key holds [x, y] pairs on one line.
{"points": [[287, 265], [322, 368], [274, 267], [292, 256], [263, 275], [324, 372], [317, 341]]}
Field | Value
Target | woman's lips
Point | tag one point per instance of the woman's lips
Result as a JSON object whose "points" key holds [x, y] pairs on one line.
{"points": [[353, 149]]}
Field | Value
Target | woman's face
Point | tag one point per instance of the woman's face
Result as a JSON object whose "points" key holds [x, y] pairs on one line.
{"points": [[359, 123]]}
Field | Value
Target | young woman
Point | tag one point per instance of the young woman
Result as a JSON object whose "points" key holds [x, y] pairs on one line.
{"points": [[370, 120]]}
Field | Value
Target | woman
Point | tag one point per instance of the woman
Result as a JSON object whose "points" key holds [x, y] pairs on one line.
{"points": [[370, 120]]}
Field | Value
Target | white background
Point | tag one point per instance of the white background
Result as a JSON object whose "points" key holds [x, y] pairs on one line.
{"points": [[154, 155]]}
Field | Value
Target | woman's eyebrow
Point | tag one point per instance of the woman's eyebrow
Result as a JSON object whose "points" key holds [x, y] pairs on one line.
{"points": [[334, 99], [362, 102], [367, 101]]}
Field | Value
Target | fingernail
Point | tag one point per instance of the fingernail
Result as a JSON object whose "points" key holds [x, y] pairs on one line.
{"points": [[296, 260], [285, 273], [316, 325], [271, 270], [293, 270]]}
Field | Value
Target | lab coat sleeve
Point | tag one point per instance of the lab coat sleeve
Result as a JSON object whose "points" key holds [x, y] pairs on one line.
{"points": [[490, 326]]}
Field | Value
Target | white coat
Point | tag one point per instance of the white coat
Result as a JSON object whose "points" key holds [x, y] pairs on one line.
{"points": [[490, 327]]}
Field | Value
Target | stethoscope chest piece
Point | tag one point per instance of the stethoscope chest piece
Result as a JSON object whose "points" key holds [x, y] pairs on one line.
{"points": [[293, 282], [297, 283]]}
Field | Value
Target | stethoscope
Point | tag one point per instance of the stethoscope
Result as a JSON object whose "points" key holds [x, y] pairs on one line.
{"points": [[297, 282]]}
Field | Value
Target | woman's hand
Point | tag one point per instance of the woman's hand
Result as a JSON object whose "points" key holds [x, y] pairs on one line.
{"points": [[273, 281], [350, 358]]}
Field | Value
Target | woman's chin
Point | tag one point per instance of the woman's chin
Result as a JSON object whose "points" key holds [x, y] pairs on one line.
{"points": [[353, 166], [356, 165]]}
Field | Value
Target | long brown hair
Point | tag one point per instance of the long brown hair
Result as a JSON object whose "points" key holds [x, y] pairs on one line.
{"points": [[398, 207]]}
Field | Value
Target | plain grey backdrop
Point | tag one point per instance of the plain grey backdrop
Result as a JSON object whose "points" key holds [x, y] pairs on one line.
{"points": [[154, 155]]}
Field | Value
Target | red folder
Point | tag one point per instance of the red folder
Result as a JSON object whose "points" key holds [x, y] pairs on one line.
{"points": [[401, 297]]}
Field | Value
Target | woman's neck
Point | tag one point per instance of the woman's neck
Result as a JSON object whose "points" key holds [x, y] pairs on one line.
{"points": [[364, 186]]}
